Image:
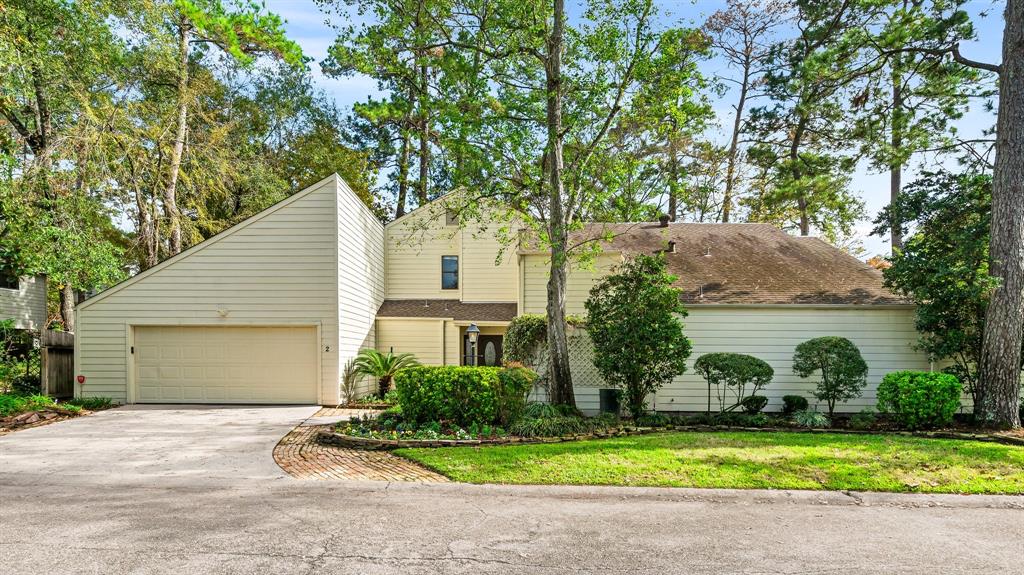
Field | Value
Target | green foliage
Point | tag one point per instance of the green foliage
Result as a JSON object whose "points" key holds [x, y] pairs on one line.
{"points": [[19, 362], [753, 404], [383, 366], [560, 425], [844, 372], [525, 332], [633, 320], [811, 419], [733, 371], [13, 404], [653, 419], [944, 266], [920, 399], [863, 420], [90, 403], [463, 395], [793, 403]]}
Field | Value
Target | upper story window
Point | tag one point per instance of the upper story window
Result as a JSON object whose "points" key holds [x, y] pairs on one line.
{"points": [[449, 272], [8, 280]]}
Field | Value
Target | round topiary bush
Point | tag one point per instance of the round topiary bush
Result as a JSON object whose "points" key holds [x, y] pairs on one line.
{"points": [[920, 399], [793, 403]]}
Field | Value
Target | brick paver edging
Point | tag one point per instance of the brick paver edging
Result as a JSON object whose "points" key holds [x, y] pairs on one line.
{"points": [[329, 437], [300, 456]]}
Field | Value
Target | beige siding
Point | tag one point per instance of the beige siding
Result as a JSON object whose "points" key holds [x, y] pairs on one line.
{"points": [[885, 337], [416, 243], [360, 274], [423, 338], [581, 279], [279, 267], [414, 246], [25, 305]]}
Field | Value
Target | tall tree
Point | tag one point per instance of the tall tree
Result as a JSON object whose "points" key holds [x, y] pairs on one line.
{"points": [[743, 32], [914, 98], [242, 30], [553, 93]]}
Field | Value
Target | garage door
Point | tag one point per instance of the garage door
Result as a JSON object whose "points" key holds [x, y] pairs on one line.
{"points": [[226, 364]]}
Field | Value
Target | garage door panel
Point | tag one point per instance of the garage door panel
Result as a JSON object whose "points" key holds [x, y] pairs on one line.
{"points": [[226, 364]]}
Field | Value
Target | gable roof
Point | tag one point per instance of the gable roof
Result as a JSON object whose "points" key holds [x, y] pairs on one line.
{"points": [[750, 264], [448, 309], [339, 185]]}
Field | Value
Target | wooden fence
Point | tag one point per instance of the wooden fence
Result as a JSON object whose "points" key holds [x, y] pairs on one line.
{"points": [[58, 364]]}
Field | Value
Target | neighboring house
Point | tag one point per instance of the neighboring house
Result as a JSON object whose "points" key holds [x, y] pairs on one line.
{"points": [[267, 311], [23, 300]]}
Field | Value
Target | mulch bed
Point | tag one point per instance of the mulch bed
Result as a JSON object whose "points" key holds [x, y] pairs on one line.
{"points": [[36, 418]]}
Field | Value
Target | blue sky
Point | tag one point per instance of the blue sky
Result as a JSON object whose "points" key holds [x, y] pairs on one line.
{"points": [[308, 26]]}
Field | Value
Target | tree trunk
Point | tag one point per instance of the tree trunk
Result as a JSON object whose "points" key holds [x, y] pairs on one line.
{"points": [[734, 145], [794, 160], [67, 307], [403, 176], [1004, 320], [673, 189], [895, 168], [383, 386], [560, 375], [170, 192], [424, 152]]}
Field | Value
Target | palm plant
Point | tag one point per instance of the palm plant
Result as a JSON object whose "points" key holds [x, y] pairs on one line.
{"points": [[383, 366]]}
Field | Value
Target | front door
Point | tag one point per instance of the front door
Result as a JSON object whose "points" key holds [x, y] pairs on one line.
{"points": [[488, 351]]}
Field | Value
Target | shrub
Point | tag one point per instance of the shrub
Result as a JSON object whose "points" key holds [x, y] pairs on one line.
{"points": [[633, 320], [90, 403], [383, 366], [559, 426], [653, 420], [811, 419], [844, 373], [793, 403], [753, 404], [863, 420], [920, 399], [463, 395], [11, 404], [525, 332], [732, 371]]}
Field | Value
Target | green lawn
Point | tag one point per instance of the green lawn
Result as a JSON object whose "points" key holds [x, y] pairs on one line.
{"points": [[745, 460]]}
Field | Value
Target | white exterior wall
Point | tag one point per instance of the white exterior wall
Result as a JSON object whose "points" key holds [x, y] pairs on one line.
{"points": [[885, 337], [278, 267], [360, 275], [535, 269], [25, 305], [416, 242]]}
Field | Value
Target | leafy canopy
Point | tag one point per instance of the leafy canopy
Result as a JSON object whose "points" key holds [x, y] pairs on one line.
{"points": [[733, 371], [844, 372], [634, 322]]}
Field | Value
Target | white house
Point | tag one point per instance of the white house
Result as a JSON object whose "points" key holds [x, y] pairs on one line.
{"points": [[269, 310]]}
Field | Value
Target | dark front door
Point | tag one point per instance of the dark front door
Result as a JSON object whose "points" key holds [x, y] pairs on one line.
{"points": [[488, 351]]}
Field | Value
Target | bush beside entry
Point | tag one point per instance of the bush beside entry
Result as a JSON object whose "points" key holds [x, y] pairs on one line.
{"points": [[844, 373], [463, 395], [920, 399]]}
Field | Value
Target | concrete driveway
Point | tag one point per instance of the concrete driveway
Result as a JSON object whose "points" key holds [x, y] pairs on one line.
{"points": [[196, 491]]}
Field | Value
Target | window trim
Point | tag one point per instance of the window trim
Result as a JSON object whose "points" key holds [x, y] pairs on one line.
{"points": [[456, 286], [16, 288]]}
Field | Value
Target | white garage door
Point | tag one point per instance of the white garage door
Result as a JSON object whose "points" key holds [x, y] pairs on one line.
{"points": [[226, 364]]}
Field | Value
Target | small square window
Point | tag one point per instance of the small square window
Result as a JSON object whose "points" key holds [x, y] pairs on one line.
{"points": [[449, 272], [9, 280], [451, 218]]}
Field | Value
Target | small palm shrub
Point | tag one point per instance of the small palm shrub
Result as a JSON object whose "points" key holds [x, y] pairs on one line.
{"points": [[793, 403], [920, 399], [844, 373], [383, 366], [811, 419], [753, 404], [350, 380]]}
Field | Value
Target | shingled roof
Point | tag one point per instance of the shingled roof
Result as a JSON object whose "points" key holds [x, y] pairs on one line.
{"points": [[448, 308], [750, 264]]}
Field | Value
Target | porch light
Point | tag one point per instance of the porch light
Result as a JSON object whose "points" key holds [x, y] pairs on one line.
{"points": [[473, 332]]}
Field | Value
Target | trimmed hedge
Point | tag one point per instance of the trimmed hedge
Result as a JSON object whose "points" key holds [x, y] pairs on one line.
{"points": [[463, 395], [920, 399]]}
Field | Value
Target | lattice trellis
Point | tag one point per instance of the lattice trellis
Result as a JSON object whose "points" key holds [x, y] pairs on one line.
{"points": [[581, 362]]}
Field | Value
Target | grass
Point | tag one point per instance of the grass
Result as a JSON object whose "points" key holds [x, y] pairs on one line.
{"points": [[744, 460]]}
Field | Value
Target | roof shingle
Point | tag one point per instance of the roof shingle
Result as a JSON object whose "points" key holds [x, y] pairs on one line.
{"points": [[448, 308]]}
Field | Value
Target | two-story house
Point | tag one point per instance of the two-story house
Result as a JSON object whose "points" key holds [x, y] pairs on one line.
{"points": [[23, 300], [271, 309]]}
